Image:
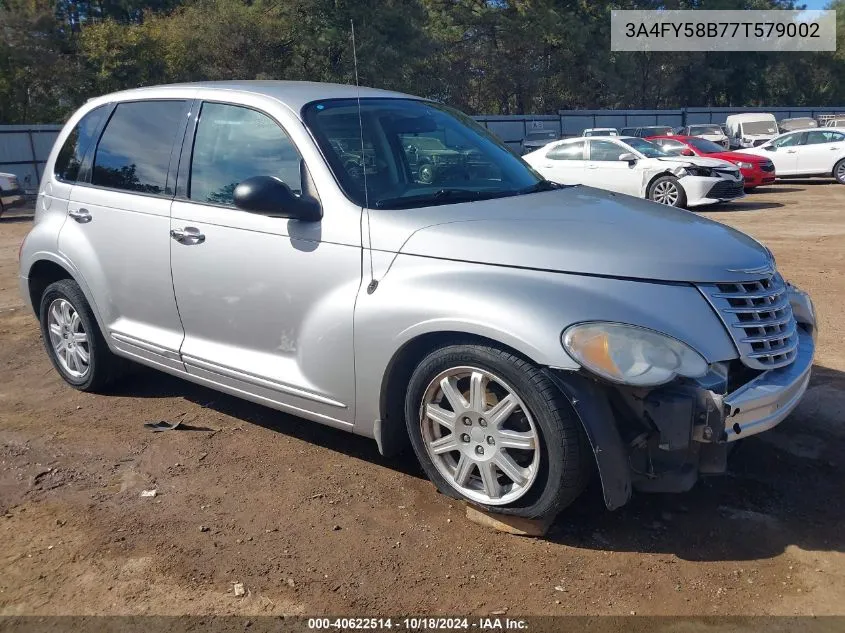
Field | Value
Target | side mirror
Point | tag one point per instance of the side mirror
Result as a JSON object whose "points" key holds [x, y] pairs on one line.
{"points": [[687, 152], [770, 148], [267, 195], [628, 157]]}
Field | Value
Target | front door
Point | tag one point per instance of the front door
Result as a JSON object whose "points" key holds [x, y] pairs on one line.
{"points": [[266, 304], [117, 232], [785, 154], [605, 171]]}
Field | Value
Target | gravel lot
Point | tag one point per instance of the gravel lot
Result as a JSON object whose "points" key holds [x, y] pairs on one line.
{"points": [[313, 521]]}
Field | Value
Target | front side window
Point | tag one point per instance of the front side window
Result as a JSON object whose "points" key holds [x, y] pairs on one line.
{"points": [[134, 150], [818, 136], [77, 143], [790, 140], [234, 143], [606, 150], [404, 153], [567, 151]]}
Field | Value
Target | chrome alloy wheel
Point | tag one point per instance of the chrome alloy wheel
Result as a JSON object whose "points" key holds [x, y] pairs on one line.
{"points": [[480, 435], [666, 192], [68, 338]]}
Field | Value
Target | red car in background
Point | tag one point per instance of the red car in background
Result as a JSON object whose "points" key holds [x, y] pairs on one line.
{"points": [[757, 170]]}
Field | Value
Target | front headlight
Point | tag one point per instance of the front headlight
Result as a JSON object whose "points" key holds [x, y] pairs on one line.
{"points": [[631, 355], [698, 171], [743, 165]]}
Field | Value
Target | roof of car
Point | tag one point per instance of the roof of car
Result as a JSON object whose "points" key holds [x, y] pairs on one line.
{"points": [[294, 94]]}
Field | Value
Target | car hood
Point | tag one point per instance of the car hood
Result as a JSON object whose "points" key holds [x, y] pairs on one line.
{"points": [[740, 155], [575, 230]]}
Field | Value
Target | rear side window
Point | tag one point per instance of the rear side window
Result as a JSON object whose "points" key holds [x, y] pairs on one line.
{"points": [[234, 143], [567, 151], [77, 143], [134, 150]]}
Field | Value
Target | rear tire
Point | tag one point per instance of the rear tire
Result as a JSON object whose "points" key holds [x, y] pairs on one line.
{"points": [[73, 340], [839, 172], [667, 190], [529, 458]]}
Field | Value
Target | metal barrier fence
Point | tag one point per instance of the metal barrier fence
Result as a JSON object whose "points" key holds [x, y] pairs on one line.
{"points": [[24, 150]]}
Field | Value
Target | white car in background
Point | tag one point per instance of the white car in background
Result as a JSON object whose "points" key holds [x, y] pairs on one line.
{"points": [[639, 168], [11, 195], [600, 131], [819, 152], [710, 131]]}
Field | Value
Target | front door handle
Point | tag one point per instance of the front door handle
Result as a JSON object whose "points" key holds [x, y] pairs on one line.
{"points": [[790, 151], [80, 215], [189, 235]]}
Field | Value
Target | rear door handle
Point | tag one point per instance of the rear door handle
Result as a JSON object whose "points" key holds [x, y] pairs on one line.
{"points": [[80, 215], [592, 166], [188, 235]]}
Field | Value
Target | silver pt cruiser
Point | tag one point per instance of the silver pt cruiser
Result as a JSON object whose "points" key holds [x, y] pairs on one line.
{"points": [[276, 241]]}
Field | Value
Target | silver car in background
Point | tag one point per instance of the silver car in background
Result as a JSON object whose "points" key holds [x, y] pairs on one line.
{"points": [[520, 335]]}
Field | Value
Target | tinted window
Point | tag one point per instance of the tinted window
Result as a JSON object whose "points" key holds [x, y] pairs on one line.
{"points": [[605, 150], [629, 131], [77, 143], [134, 150], [235, 143], [816, 137], [704, 146], [567, 151], [788, 141]]}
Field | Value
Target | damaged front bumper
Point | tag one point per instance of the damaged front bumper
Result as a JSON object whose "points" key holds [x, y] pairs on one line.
{"points": [[663, 439]]}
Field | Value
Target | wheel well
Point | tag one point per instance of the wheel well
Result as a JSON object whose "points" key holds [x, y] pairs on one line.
{"points": [[660, 175], [394, 435], [41, 275]]}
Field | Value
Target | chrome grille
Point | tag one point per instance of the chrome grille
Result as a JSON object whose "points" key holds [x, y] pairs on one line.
{"points": [[759, 319]]}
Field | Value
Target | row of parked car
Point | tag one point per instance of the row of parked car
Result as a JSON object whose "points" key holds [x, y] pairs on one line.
{"points": [[698, 164]]}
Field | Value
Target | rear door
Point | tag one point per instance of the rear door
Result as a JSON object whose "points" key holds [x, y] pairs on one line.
{"points": [[820, 151], [564, 162], [604, 170], [119, 234]]}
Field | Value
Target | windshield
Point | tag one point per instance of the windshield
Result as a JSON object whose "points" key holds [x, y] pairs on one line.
{"points": [[759, 127], [415, 154], [541, 136], [646, 148], [705, 129], [656, 130], [704, 146]]}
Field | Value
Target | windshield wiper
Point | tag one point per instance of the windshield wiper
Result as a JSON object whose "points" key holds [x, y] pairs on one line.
{"points": [[542, 185], [442, 196]]}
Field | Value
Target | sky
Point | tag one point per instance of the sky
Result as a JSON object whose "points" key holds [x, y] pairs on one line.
{"points": [[815, 4]]}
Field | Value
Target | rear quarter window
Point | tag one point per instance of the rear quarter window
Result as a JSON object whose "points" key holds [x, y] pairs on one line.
{"points": [[76, 144]]}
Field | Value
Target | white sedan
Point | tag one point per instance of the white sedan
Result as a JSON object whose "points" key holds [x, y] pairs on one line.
{"points": [[818, 152], [639, 168]]}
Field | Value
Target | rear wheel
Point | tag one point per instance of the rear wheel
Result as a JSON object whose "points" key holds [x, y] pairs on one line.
{"points": [[73, 340], [492, 429], [667, 190], [839, 172]]}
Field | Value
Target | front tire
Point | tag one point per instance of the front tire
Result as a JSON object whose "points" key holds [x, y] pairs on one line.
{"points": [[667, 190], [492, 429], [839, 172], [73, 340]]}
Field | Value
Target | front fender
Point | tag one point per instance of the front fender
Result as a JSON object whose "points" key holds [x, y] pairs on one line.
{"points": [[526, 310]]}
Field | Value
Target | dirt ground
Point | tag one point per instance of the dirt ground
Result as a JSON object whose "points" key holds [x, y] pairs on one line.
{"points": [[313, 521]]}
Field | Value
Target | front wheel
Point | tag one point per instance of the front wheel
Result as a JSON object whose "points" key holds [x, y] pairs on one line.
{"points": [[839, 172], [491, 428], [667, 190]]}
